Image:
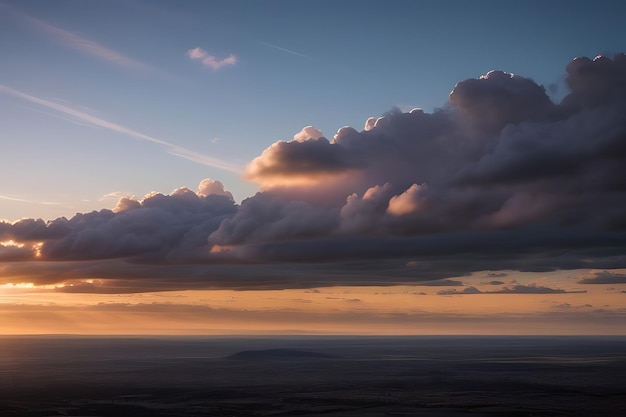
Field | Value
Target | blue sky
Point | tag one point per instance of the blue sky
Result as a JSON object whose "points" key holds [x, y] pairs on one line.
{"points": [[326, 64]]}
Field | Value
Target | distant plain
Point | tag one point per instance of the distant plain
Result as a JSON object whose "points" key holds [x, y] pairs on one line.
{"points": [[312, 376]]}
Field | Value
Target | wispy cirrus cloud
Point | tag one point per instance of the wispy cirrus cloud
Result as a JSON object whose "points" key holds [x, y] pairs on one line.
{"points": [[211, 61], [96, 121], [84, 45], [23, 200]]}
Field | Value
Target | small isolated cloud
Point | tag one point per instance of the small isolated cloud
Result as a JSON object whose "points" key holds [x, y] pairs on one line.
{"points": [[604, 277], [117, 195], [211, 61], [454, 291], [568, 306], [495, 282], [497, 274]]}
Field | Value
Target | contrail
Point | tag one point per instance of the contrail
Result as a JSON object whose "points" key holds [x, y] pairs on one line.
{"points": [[289, 51], [22, 200], [87, 118]]}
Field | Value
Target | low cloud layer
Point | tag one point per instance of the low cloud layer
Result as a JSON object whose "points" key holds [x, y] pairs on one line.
{"points": [[604, 277], [501, 178], [516, 289]]}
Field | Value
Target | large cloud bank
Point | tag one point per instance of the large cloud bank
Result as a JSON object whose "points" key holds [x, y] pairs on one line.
{"points": [[500, 178]]}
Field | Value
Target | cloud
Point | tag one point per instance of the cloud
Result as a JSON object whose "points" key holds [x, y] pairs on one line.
{"points": [[23, 200], [157, 228], [604, 277], [531, 289], [498, 179], [84, 45], [454, 291], [209, 187], [12, 253], [500, 156], [210, 61], [593, 83], [95, 121], [568, 306], [308, 158], [497, 99], [517, 289]]}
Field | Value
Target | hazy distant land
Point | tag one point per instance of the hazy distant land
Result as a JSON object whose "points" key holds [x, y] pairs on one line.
{"points": [[313, 376]]}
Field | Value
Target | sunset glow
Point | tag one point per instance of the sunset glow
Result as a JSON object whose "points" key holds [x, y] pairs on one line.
{"points": [[333, 168]]}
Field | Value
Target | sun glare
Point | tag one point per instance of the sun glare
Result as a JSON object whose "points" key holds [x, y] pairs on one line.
{"points": [[11, 242], [19, 285], [37, 249]]}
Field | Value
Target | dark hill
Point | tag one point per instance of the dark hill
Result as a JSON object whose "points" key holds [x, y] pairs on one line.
{"points": [[278, 354]]}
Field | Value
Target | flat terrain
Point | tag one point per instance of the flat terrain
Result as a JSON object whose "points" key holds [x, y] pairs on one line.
{"points": [[313, 376]]}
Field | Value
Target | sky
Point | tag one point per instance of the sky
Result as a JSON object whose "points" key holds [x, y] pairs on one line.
{"points": [[283, 167]]}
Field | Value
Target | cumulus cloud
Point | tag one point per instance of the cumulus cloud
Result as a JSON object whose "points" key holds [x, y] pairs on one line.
{"points": [[410, 201], [209, 187], [211, 61], [596, 82], [604, 277], [307, 159], [156, 227], [500, 156], [497, 99], [500, 178]]}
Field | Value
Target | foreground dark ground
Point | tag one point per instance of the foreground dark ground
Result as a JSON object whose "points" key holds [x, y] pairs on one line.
{"points": [[406, 376]]}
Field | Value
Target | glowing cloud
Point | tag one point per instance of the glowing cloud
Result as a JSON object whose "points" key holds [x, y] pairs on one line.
{"points": [[308, 159]]}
